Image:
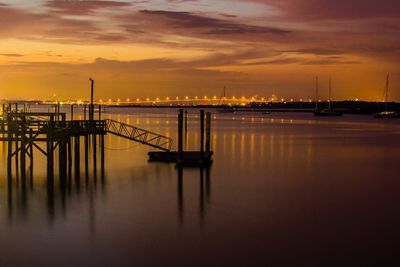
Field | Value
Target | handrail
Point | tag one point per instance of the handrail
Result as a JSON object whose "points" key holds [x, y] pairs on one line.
{"points": [[139, 135]]}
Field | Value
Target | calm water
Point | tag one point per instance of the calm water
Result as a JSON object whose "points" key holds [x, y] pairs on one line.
{"points": [[284, 190]]}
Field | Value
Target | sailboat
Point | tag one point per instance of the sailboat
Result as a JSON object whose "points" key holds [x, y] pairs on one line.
{"points": [[329, 112], [386, 114]]}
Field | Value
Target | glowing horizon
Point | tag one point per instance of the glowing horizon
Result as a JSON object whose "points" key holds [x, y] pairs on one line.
{"points": [[160, 48]]}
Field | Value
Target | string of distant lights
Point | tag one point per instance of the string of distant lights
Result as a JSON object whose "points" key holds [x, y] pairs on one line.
{"points": [[212, 100]]}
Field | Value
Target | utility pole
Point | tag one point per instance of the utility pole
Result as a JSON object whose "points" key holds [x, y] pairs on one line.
{"points": [[91, 108]]}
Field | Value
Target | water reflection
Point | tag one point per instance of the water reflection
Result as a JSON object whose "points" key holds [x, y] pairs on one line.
{"points": [[204, 189], [23, 193]]}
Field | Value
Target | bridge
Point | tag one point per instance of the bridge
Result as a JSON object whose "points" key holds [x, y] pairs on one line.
{"points": [[178, 101]]}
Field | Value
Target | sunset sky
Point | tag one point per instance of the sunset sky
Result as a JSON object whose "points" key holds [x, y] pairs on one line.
{"points": [[150, 48]]}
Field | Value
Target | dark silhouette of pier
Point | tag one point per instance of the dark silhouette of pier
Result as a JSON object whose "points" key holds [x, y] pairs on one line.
{"points": [[26, 132]]}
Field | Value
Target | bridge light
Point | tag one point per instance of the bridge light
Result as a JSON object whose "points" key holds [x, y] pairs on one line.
{"points": [[233, 97], [186, 97], [157, 99], [101, 100], [147, 99], [167, 98], [177, 98], [214, 97], [137, 99], [263, 99], [196, 97], [128, 100], [205, 97], [109, 100]]}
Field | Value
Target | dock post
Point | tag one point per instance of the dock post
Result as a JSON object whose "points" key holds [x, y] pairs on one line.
{"points": [[102, 153], [31, 153], [69, 151], [186, 130], [9, 144], [180, 136], [23, 147], [72, 112], [86, 156], [201, 135], [50, 154], [91, 107], [62, 159], [77, 154], [99, 112], [94, 155], [208, 132]]}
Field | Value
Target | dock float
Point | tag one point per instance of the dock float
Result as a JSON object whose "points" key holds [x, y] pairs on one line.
{"points": [[200, 158]]}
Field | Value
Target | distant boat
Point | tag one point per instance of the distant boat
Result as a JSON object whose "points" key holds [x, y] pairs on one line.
{"points": [[329, 112], [386, 114]]}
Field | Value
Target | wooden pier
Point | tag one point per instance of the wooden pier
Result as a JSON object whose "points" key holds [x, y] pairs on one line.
{"points": [[26, 132]]}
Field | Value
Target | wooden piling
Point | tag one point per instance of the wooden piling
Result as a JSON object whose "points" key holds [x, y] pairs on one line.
{"points": [[31, 153], [102, 153], [9, 144], [180, 136], [23, 147], [94, 155], [208, 131], [86, 138], [77, 154], [186, 130], [62, 157], [201, 135], [69, 149], [50, 149], [91, 107], [72, 112]]}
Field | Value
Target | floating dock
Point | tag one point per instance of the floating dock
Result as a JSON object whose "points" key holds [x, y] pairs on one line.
{"points": [[200, 158]]}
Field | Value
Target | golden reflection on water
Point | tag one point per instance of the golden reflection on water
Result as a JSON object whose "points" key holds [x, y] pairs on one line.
{"points": [[262, 182]]}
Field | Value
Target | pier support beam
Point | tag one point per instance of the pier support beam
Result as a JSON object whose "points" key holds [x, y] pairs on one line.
{"points": [[201, 135], [208, 132], [102, 153], [180, 136], [50, 149], [77, 156], [62, 157]]}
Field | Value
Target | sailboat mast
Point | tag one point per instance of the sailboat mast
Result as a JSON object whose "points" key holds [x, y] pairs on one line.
{"points": [[330, 92], [316, 93]]}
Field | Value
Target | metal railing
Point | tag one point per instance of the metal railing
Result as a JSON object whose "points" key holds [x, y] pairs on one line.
{"points": [[139, 135]]}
